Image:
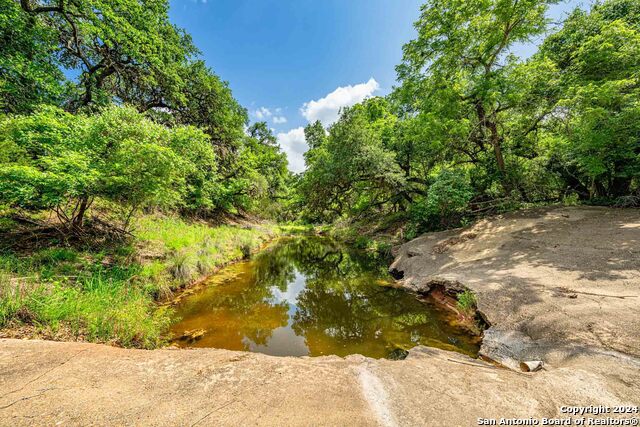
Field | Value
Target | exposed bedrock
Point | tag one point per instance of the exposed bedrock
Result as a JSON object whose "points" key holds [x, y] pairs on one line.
{"points": [[551, 283]]}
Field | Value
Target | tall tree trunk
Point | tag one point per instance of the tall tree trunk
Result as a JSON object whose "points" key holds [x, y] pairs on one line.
{"points": [[497, 148], [597, 189], [496, 142]]}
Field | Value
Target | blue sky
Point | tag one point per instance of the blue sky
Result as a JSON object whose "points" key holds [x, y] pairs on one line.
{"points": [[294, 61]]}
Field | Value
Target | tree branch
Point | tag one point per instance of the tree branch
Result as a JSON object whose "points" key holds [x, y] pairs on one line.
{"points": [[28, 7]]}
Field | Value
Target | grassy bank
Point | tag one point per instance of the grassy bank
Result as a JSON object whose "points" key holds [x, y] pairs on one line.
{"points": [[109, 294]]}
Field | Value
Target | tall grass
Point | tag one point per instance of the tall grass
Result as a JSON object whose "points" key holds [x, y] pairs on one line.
{"points": [[96, 309], [193, 250], [110, 295]]}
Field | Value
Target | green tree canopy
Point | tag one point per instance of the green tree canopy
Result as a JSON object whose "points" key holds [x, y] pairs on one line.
{"points": [[352, 170], [63, 162], [596, 115], [29, 69], [457, 74]]}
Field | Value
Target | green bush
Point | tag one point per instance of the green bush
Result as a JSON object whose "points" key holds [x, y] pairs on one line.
{"points": [[53, 160], [571, 199], [445, 204]]}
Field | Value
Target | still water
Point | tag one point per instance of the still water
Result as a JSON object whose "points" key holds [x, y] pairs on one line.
{"points": [[311, 296]]}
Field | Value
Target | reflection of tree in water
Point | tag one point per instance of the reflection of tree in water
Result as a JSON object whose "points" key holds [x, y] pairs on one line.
{"points": [[273, 268], [253, 282], [341, 310], [262, 321], [341, 301], [235, 309], [357, 311], [314, 257]]}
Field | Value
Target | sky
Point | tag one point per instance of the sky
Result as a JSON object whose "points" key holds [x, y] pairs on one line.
{"points": [[292, 62]]}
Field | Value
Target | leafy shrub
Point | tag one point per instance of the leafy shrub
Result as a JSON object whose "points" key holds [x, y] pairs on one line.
{"points": [[445, 204], [571, 199], [57, 161], [449, 196], [411, 231], [362, 242]]}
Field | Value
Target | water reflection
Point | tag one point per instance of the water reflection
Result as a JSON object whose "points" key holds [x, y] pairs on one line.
{"points": [[312, 296]]}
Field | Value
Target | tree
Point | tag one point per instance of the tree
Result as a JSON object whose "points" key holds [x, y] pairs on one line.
{"points": [[62, 162], [315, 136], [352, 171], [122, 49], [447, 200], [200, 169], [262, 175], [456, 74], [596, 117], [29, 72], [471, 123], [202, 100], [260, 132], [127, 52]]}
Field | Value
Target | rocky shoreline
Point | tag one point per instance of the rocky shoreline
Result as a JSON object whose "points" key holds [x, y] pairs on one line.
{"points": [[549, 282]]}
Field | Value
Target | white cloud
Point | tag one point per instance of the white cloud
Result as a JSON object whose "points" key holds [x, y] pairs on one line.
{"points": [[327, 109], [294, 145], [263, 113], [266, 114]]}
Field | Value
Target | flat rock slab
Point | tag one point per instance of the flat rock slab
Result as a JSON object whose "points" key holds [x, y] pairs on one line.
{"points": [[561, 278], [52, 383]]}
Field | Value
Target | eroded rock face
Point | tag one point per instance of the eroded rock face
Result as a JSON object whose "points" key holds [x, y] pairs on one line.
{"points": [[509, 348], [552, 282]]}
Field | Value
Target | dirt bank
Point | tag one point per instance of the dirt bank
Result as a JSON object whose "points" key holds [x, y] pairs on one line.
{"points": [[558, 284], [552, 282]]}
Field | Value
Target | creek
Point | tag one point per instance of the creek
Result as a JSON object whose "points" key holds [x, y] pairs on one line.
{"points": [[313, 296]]}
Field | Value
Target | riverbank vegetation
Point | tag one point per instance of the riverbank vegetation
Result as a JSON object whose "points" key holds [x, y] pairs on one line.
{"points": [[116, 184], [128, 169], [472, 129], [108, 292]]}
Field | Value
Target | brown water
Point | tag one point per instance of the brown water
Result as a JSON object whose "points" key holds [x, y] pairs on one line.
{"points": [[310, 296]]}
